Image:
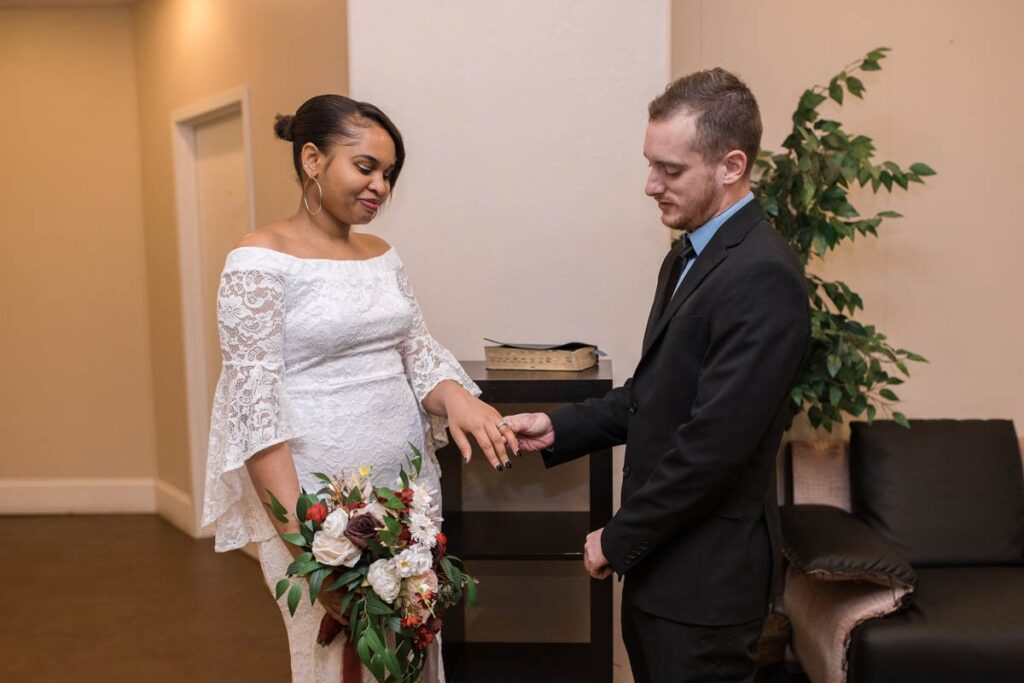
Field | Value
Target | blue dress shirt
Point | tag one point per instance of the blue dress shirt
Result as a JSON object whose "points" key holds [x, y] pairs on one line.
{"points": [[700, 237]]}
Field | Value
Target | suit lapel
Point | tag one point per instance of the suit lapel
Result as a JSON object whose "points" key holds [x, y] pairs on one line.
{"points": [[666, 268], [730, 234]]}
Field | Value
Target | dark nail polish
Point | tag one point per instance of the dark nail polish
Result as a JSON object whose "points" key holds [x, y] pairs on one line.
{"points": [[519, 454], [499, 467], [508, 464]]}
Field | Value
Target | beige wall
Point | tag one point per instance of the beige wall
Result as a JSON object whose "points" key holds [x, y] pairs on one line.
{"points": [[76, 394], [944, 281], [189, 51]]}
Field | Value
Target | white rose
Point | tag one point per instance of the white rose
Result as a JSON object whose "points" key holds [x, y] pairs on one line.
{"points": [[375, 509], [384, 580], [413, 561], [423, 529], [335, 551], [335, 524]]}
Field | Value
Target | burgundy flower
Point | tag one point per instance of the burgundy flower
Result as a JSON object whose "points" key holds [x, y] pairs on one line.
{"points": [[361, 529], [329, 630]]}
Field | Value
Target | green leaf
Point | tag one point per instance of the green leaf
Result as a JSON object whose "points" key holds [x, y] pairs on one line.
{"points": [[323, 477], [281, 588], [363, 650], [922, 169], [375, 605], [855, 86], [869, 65], [295, 539], [294, 595], [316, 581], [835, 91], [835, 395], [888, 395], [901, 419], [833, 364], [299, 562], [348, 577], [871, 413], [797, 394], [280, 513], [390, 661], [346, 600], [470, 590]]}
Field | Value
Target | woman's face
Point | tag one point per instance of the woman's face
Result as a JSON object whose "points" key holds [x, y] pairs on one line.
{"points": [[355, 175]]}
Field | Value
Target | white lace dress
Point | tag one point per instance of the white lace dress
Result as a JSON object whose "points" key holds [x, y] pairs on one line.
{"points": [[334, 358]]}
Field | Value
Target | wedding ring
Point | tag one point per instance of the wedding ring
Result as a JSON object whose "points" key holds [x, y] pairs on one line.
{"points": [[502, 424]]}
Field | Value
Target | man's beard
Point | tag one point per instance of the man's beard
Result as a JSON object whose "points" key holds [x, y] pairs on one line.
{"points": [[701, 209]]}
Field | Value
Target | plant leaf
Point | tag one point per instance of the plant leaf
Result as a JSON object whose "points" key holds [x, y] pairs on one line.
{"points": [[294, 595], [281, 588], [280, 513], [316, 581], [295, 539]]}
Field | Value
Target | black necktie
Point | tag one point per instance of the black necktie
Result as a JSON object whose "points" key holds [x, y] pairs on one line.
{"points": [[677, 268]]}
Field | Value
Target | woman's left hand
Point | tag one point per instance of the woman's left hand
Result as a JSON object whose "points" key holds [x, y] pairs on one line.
{"points": [[469, 415]]}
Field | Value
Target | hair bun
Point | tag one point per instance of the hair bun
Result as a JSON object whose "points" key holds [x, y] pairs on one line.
{"points": [[283, 127]]}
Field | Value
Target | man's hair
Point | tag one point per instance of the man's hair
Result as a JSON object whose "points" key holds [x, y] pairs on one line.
{"points": [[727, 113]]}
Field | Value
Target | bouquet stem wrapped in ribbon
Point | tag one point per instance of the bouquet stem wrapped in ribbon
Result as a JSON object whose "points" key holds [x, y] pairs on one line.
{"points": [[383, 550]]}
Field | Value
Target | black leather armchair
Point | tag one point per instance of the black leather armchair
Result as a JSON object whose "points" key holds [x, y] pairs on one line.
{"points": [[923, 579]]}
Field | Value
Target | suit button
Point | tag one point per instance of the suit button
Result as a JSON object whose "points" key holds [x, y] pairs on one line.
{"points": [[625, 470], [634, 408]]}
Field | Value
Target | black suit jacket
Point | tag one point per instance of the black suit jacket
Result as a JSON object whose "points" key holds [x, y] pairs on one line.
{"points": [[696, 535]]}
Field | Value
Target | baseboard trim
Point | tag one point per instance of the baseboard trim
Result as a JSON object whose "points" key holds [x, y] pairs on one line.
{"points": [[175, 506], [77, 496]]}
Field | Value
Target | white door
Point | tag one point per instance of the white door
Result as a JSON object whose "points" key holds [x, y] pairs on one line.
{"points": [[223, 212]]}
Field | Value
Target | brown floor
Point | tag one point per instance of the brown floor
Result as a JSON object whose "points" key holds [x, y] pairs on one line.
{"points": [[130, 598]]}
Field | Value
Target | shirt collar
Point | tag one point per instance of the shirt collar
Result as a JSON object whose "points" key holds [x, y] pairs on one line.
{"points": [[700, 237]]}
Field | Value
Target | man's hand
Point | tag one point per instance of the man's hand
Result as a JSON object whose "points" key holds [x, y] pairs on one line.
{"points": [[533, 430], [594, 560]]}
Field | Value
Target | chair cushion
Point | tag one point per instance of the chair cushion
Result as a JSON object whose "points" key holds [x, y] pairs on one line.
{"points": [[963, 624], [942, 493], [830, 544]]}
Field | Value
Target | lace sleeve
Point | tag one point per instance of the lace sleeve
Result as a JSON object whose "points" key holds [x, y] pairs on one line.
{"points": [[427, 364], [250, 410]]}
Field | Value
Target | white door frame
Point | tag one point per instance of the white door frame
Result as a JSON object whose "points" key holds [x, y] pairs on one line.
{"points": [[183, 134]]}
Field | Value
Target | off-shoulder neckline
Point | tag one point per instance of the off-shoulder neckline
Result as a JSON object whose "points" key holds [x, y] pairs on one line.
{"points": [[390, 250]]}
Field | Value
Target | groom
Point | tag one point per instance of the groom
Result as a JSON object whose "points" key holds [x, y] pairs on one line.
{"points": [[696, 537]]}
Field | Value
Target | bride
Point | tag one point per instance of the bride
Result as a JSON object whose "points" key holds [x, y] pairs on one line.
{"points": [[327, 362]]}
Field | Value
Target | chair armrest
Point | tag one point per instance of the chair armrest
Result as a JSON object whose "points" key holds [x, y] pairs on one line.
{"points": [[830, 544]]}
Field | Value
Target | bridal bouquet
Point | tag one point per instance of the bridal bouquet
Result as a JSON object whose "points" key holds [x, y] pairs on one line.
{"points": [[384, 550]]}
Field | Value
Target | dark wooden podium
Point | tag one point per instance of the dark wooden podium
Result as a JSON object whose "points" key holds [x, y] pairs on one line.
{"points": [[547, 536]]}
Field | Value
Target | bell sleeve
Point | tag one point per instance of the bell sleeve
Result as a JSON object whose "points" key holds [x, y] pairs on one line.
{"points": [[250, 408], [427, 364]]}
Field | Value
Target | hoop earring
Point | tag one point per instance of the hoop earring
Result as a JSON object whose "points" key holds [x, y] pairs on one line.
{"points": [[305, 202]]}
